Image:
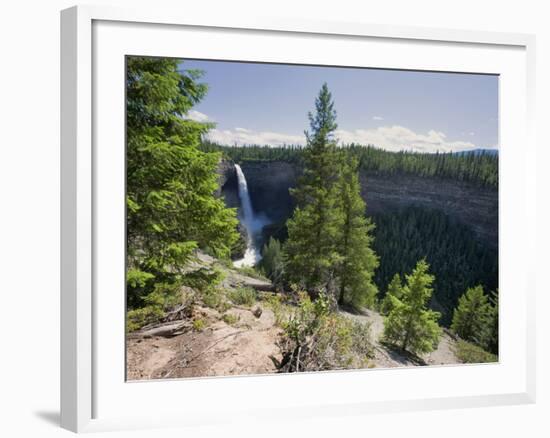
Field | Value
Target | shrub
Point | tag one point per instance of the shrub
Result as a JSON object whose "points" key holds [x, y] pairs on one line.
{"points": [[230, 318], [212, 297], [275, 302], [470, 353], [163, 297], [137, 318], [316, 339], [245, 296], [250, 271], [199, 324]]}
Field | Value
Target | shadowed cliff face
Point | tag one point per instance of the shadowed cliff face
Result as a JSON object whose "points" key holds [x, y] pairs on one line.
{"points": [[269, 184]]}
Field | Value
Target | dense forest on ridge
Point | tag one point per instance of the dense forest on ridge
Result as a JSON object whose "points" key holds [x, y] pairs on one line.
{"points": [[478, 167]]}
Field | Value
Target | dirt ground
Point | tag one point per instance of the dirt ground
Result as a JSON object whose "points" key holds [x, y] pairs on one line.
{"points": [[220, 349]]}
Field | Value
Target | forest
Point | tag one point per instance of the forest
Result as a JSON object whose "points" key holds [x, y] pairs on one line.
{"points": [[340, 290], [479, 167]]}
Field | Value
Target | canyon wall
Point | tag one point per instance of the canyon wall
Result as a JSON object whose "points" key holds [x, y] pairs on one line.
{"points": [[269, 184]]}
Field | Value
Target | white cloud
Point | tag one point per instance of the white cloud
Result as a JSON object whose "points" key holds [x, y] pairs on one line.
{"points": [[197, 116], [396, 138], [392, 138], [378, 118], [242, 136]]}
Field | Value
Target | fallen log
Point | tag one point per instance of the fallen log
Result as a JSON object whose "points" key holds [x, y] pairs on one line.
{"points": [[168, 330]]}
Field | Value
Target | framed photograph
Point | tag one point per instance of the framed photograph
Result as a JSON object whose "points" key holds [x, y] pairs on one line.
{"points": [[261, 208]]}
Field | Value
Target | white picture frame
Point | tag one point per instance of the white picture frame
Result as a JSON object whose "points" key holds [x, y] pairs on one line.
{"points": [[93, 39]]}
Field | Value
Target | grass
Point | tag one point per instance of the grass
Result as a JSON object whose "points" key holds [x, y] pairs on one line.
{"points": [[251, 272], [230, 318], [199, 324], [470, 353], [243, 296]]}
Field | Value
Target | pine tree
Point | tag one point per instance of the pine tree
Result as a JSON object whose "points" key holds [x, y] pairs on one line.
{"points": [[472, 317], [355, 275], [491, 343], [272, 261], [394, 292], [311, 251], [410, 324], [171, 204]]}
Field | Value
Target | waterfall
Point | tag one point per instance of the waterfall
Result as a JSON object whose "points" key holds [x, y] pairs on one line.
{"points": [[251, 224]]}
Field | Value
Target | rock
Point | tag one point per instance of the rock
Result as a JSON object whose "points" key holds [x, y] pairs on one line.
{"points": [[257, 312]]}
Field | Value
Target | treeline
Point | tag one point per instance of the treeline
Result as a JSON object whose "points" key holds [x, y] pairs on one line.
{"points": [[479, 167], [457, 258]]}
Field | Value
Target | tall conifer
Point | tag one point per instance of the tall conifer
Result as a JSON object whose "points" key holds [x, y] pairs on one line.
{"points": [[356, 272], [311, 250]]}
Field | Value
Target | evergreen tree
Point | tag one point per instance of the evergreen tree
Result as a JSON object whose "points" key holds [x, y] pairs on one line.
{"points": [[410, 324], [472, 317], [394, 292], [311, 250], [272, 261], [491, 343], [171, 204], [355, 275]]}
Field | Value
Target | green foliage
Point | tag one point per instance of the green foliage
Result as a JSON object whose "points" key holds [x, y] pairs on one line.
{"points": [[329, 237], [272, 262], [410, 325], [230, 318], [470, 353], [358, 260], [311, 251], [138, 318], [480, 168], [493, 325], [243, 296], [251, 271], [275, 302], [163, 297], [393, 295], [138, 286], [472, 317], [454, 252], [171, 204], [199, 324], [316, 339], [212, 297]]}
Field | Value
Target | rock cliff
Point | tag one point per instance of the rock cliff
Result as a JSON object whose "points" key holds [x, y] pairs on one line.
{"points": [[269, 184]]}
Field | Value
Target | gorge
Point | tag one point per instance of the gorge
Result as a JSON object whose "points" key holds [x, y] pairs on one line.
{"points": [[452, 223]]}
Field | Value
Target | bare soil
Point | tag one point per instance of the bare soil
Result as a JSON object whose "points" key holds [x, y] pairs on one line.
{"points": [[220, 349]]}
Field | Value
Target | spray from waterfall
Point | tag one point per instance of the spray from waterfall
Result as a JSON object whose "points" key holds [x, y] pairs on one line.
{"points": [[252, 224]]}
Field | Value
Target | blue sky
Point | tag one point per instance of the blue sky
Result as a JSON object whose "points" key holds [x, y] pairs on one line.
{"points": [[394, 110]]}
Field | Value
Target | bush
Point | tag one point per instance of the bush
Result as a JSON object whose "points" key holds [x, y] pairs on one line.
{"points": [[199, 324], [163, 297], [250, 271], [275, 302], [470, 353], [137, 318], [212, 297], [317, 339], [245, 296], [230, 318]]}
